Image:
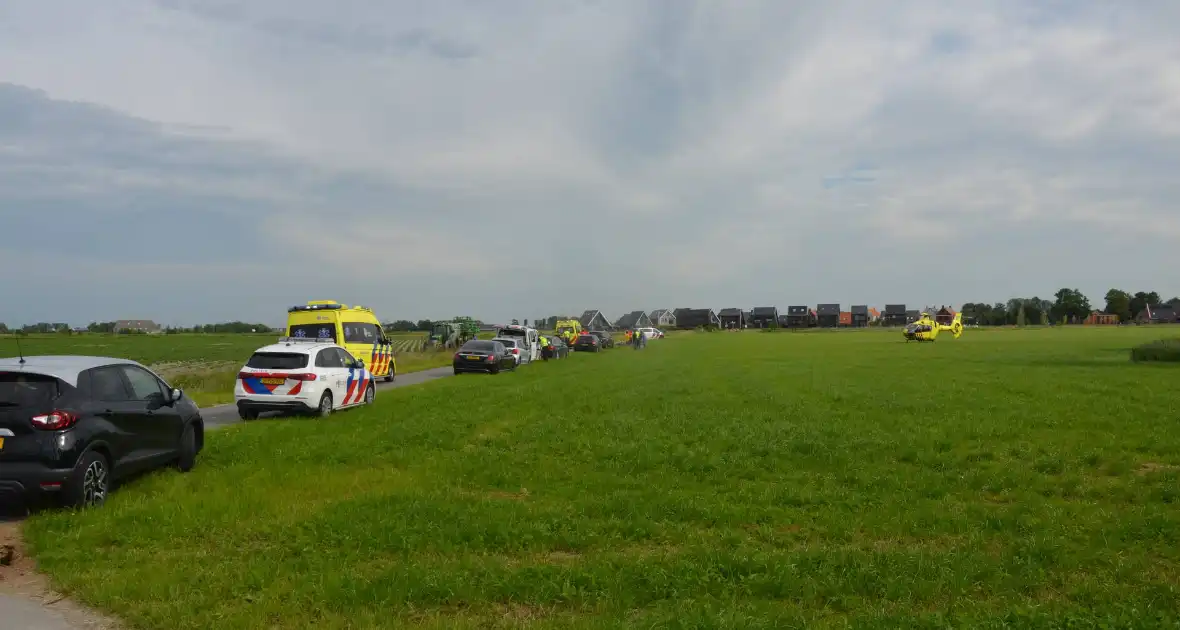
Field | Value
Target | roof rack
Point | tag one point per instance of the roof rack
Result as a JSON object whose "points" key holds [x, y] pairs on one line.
{"points": [[306, 340]]}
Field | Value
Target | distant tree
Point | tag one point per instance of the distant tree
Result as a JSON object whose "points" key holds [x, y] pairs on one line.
{"points": [[1174, 302], [1070, 305], [1118, 302], [1020, 316], [424, 324], [3, 328], [401, 325]]}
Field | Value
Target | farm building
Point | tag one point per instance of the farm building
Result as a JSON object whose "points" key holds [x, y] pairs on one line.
{"points": [[632, 320], [732, 318], [696, 317], [763, 317], [945, 315], [1157, 314], [662, 318], [594, 320], [860, 316], [1098, 318], [846, 319], [799, 317], [912, 316], [895, 315], [828, 315], [678, 313]]}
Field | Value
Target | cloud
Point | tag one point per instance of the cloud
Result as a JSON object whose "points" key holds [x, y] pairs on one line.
{"points": [[531, 157]]}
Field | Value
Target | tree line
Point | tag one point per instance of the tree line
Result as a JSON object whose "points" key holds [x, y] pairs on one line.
{"points": [[1068, 306]]}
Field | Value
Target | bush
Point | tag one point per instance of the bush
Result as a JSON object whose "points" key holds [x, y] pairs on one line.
{"points": [[1162, 350]]}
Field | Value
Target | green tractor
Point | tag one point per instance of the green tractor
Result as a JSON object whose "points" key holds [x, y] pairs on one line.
{"points": [[451, 334]]}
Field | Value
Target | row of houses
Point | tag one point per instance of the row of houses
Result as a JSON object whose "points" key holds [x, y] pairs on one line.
{"points": [[822, 316]]}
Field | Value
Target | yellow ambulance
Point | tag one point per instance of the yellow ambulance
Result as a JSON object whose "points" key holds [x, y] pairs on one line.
{"points": [[356, 328]]}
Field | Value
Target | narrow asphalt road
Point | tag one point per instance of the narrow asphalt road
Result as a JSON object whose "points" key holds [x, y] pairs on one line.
{"points": [[222, 415]]}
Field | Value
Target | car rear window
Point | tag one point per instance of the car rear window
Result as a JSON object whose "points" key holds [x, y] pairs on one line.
{"points": [[478, 346], [277, 361], [511, 343], [26, 390], [314, 331], [587, 338]]}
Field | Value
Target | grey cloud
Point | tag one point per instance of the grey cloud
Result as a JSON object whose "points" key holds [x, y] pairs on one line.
{"points": [[784, 153]]}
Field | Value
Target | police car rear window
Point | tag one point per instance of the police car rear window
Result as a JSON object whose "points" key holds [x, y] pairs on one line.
{"points": [[314, 331], [360, 333], [277, 361]]}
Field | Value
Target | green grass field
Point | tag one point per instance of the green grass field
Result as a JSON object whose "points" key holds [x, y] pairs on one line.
{"points": [[204, 365], [1019, 478]]}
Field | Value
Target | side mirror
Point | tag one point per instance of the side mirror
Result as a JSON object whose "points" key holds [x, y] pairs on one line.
{"points": [[360, 363], [176, 394]]}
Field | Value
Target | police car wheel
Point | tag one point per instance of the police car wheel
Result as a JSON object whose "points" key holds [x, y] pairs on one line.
{"points": [[370, 394], [325, 408]]}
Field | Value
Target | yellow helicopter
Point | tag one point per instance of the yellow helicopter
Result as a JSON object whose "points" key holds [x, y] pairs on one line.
{"points": [[926, 329]]}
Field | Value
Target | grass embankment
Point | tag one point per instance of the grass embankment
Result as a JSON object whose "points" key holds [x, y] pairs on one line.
{"points": [[205, 366], [1026, 478]]}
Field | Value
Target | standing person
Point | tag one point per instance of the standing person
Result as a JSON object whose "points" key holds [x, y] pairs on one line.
{"points": [[545, 348]]}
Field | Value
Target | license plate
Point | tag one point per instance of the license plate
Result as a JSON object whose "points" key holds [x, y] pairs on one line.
{"points": [[474, 358], [272, 381], [1, 444]]}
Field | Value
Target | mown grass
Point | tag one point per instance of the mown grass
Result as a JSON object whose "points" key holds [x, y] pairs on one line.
{"points": [[205, 366], [1005, 479]]}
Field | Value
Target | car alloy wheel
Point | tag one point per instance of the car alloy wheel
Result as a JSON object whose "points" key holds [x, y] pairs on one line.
{"points": [[94, 484], [370, 394], [325, 408]]}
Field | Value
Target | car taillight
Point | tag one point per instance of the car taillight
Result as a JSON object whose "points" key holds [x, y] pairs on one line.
{"points": [[55, 420], [516, 351], [457, 356], [307, 376], [549, 348], [490, 358]]}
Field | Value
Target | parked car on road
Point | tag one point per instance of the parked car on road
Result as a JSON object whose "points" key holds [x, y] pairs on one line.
{"points": [[70, 426], [604, 337], [587, 343], [556, 348], [302, 375], [516, 346], [529, 341], [489, 356]]}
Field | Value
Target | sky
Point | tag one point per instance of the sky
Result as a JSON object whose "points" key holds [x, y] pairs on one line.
{"points": [[195, 161]]}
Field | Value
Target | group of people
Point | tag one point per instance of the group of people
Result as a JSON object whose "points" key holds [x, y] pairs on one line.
{"points": [[635, 339]]}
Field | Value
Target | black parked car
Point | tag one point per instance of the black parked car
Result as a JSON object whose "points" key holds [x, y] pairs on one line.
{"points": [[604, 337], [556, 348], [587, 343], [483, 356], [70, 426]]}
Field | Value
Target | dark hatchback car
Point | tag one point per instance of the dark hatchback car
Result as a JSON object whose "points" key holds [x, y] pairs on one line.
{"points": [[483, 356], [70, 426], [556, 348], [587, 343], [604, 338]]}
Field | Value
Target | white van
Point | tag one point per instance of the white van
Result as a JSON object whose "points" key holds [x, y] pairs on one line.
{"points": [[529, 336]]}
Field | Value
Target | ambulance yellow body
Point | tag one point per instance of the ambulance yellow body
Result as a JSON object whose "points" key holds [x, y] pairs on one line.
{"points": [[356, 328]]}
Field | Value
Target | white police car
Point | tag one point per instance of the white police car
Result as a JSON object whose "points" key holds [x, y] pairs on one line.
{"points": [[302, 375]]}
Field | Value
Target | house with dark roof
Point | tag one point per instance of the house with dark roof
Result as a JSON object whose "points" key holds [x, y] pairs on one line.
{"points": [[828, 315], [895, 315], [594, 320], [662, 318], [798, 317], [732, 318], [1157, 314], [763, 317], [696, 317], [633, 320], [912, 316], [860, 316]]}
